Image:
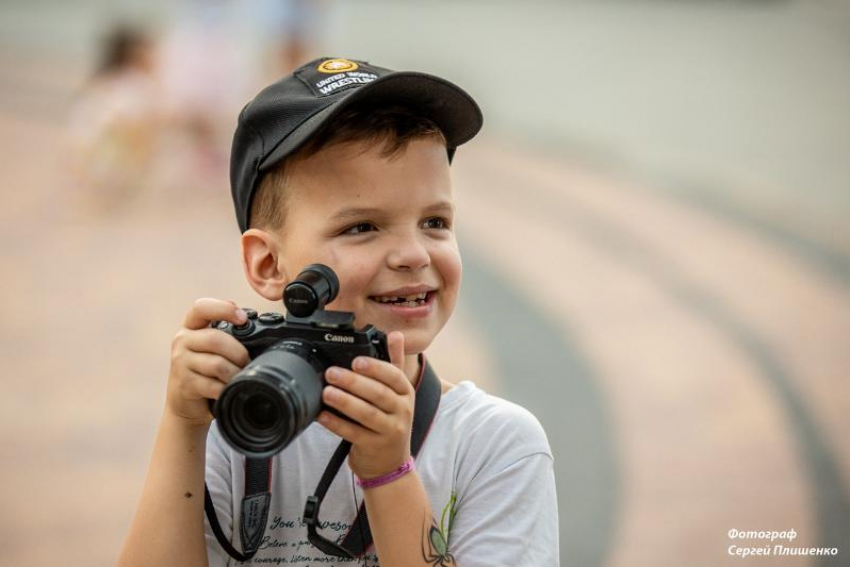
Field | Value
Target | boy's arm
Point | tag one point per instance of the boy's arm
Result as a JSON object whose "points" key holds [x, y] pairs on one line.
{"points": [[168, 528], [379, 398], [507, 510]]}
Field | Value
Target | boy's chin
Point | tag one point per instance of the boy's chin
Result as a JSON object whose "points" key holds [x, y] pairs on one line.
{"points": [[413, 350], [416, 343]]}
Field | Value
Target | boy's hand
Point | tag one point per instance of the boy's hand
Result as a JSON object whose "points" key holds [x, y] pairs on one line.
{"points": [[203, 360], [378, 396]]}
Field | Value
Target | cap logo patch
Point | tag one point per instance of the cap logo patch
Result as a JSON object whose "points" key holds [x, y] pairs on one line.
{"points": [[334, 76], [336, 66]]}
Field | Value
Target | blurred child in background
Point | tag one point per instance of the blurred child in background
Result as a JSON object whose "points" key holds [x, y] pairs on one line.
{"points": [[114, 121]]}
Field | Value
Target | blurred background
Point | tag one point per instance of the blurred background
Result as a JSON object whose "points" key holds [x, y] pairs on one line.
{"points": [[654, 225]]}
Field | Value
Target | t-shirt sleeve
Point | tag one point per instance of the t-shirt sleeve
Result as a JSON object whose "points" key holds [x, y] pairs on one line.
{"points": [[218, 478], [506, 511]]}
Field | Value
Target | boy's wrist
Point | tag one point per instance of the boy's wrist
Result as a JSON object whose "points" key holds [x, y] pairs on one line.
{"points": [[175, 421], [396, 491], [406, 467]]}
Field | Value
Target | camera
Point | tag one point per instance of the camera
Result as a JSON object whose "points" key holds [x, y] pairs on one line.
{"points": [[279, 393]]}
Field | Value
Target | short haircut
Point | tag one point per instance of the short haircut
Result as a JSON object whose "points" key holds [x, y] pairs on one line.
{"points": [[391, 128]]}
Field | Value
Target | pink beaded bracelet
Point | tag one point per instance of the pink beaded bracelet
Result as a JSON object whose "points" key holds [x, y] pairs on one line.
{"points": [[387, 478]]}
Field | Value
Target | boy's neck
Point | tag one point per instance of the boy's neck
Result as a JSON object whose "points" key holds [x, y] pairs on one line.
{"points": [[414, 370]]}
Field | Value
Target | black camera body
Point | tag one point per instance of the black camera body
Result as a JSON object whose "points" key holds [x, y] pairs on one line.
{"points": [[279, 393], [331, 332]]}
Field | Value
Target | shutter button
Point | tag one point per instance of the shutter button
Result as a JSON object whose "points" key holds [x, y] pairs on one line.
{"points": [[271, 318]]}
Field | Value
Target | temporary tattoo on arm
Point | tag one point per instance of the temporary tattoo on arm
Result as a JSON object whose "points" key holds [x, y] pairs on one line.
{"points": [[435, 547], [449, 513]]}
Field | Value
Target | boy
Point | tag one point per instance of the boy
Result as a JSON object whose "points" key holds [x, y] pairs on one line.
{"points": [[347, 164]]}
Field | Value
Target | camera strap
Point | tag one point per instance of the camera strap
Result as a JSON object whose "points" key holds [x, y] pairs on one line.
{"points": [[258, 475], [255, 509]]}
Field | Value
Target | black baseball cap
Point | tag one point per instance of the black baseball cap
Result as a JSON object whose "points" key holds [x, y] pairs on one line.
{"points": [[287, 113]]}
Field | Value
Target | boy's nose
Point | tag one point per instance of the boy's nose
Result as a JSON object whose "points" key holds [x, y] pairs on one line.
{"points": [[408, 253]]}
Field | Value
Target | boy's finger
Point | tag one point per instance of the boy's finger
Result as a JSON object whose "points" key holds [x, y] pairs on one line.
{"points": [[395, 344], [205, 387], [214, 341], [347, 430], [368, 416], [208, 309], [212, 366], [373, 391], [387, 374]]}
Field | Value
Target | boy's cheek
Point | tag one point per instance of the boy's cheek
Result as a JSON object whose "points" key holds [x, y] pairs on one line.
{"points": [[352, 294], [353, 278]]}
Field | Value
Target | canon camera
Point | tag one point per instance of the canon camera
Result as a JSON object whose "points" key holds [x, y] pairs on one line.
{"points": [[279, 393]]}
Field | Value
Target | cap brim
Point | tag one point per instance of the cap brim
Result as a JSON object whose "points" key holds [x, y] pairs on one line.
{"points": [[450, 107]]}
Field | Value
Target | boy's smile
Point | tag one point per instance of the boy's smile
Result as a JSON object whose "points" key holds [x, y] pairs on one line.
{"points": [[385, 225]]}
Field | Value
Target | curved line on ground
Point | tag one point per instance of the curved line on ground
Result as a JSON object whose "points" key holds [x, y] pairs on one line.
{"points": [[822, 257]]}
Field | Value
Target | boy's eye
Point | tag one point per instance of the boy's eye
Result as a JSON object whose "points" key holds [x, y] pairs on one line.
{"points": [[436, 222], [359, 228]]}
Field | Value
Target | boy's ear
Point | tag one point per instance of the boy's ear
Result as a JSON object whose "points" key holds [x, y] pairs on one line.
{"points": [[261, 262]]}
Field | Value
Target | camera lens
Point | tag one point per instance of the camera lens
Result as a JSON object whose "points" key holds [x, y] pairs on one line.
{"points": [[272, 400], [253, 415], [261, 413]]}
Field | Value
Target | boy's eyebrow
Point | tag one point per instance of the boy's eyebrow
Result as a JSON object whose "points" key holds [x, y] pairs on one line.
{"points": [[441, 206], [359, 212], [354, 212]]}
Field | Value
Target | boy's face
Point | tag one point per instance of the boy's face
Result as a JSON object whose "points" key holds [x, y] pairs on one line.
{"points": [[385, 226]]}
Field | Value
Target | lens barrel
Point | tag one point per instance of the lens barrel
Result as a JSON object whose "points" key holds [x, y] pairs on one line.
{"points": [[271, 400]]}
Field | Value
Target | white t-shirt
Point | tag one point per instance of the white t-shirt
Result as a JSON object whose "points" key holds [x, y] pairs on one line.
{"points": [[486, 467]]}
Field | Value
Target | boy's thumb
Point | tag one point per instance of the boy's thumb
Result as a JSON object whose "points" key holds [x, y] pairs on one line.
{"points": [[395, 344]]}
